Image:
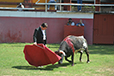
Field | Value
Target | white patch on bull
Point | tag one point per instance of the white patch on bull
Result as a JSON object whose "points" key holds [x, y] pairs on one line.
{"points": [[80, 37], [84, 45], [61, 51], [81, 51], [84, 41]]}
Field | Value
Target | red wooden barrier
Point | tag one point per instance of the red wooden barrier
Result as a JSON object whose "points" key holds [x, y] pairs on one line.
{"points": [[73, 30]]}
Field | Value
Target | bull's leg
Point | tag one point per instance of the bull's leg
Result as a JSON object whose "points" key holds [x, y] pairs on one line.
{"points": [[67, 59], [61, 60], [87, 53], [72, 59], [80, 56]]}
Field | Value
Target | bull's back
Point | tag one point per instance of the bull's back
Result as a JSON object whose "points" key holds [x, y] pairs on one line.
{"points": [[78, 41]]}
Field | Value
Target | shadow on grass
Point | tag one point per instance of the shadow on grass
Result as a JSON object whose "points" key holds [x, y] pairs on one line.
{"points": [[101, 49], [48, 67]]}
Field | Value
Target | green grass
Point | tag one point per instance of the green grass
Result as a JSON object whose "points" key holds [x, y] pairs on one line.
{"points": [[13, 63]]}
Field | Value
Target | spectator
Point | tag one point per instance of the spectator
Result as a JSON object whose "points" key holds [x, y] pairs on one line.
{"points": [[58, 1], [80, 23], [20, 6], [52, 1], [40, 34], [70, 22], [79, 7]]}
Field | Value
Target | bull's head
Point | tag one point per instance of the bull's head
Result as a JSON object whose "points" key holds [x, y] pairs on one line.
{"points": [[61, 53]]}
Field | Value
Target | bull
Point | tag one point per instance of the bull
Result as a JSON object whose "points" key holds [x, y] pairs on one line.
{"points": [[70, 45]]}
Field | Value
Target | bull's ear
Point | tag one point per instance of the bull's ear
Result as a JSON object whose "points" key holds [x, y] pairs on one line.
{"points": [[61, 51]]}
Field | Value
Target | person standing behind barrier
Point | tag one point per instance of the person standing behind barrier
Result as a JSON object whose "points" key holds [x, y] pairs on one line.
{"points": [[70, 22], [20, 6], [52, 1], [79, 7], [80, 23], [40, 34]]}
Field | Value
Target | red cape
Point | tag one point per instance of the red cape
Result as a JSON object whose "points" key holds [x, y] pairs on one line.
{"points": [[40, 55]]}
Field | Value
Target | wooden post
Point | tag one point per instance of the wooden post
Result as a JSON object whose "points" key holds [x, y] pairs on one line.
{"points": [[97, 8], [60, 5], [68, 8], [45, 6]]}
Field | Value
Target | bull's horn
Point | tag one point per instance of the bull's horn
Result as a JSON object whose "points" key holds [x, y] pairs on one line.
{"points": [[61, 51]]}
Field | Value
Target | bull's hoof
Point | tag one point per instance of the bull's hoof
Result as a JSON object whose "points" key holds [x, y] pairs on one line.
{"points": [[88, 61], [59, 62], [72, 64]]}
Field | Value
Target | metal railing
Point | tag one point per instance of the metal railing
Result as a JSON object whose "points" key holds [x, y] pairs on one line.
{"points": [[58, 4], [72, 4], [9, 8]]}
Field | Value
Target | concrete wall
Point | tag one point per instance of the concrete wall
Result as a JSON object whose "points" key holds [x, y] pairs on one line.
{"points": [[19, 26]]}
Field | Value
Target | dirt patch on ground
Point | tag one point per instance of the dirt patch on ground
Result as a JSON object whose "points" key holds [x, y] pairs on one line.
{"points": [[106, 70]]}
